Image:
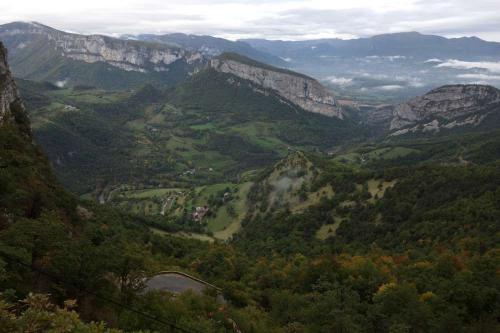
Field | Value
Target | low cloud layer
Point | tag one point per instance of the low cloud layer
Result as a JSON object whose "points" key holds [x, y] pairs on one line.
{"points": [[341, 81], [276, 19], [481, 77], [493, 67], [390, 87]]}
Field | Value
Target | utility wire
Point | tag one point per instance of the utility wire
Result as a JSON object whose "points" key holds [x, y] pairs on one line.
{"points": [[165, 322]]}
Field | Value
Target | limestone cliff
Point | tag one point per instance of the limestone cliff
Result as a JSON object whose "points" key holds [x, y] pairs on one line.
{"points": [[9, 95], [28, 185], [448, 103], [299, 89], [128, 55]]}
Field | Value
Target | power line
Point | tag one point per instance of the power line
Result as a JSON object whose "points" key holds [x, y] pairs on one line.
{"points": [[165, 322]]}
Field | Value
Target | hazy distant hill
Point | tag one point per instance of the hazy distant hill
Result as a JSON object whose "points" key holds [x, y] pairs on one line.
{"points": [[411, 44]]}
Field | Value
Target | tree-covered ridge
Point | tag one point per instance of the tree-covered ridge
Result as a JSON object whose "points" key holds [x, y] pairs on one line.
{"points": [[429, 202], [432, 238], [249, 61]]}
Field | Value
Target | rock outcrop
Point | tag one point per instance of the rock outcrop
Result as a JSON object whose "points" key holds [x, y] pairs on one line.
{"points": [[299, 89], [448, 103], [128, 55], [9, 95]]}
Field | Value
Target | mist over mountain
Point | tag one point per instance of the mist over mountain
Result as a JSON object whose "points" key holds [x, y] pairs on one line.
{"points": [[398, 65]]}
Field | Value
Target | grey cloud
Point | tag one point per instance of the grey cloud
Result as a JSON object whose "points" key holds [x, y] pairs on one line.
{"points": [[365, 22], [270, 18]]}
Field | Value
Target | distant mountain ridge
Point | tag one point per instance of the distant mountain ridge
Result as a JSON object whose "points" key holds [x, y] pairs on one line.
{"points": [[403, 44]]}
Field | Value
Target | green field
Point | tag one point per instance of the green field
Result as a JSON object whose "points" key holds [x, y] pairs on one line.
{"points": [[365, 156]]}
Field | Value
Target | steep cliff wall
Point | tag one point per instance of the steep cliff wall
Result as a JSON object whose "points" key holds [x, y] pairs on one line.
{"points": [[301, 90], [9, 95], [128, 55], [28, 186], [448, 102]]}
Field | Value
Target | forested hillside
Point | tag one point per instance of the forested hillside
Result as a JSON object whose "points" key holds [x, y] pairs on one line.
{"points": [[215, 124]]}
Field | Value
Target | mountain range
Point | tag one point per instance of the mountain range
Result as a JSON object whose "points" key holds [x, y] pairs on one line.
{"points": [[408, 44], [383, 68]]}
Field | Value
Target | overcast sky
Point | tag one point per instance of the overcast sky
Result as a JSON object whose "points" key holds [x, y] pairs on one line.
{"points": [[276, 19]]}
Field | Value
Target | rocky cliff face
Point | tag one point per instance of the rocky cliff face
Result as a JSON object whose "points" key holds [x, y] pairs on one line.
{"points": [[448, 103], [127, 55], [9, 95], [294, 87], [28, 184]]}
